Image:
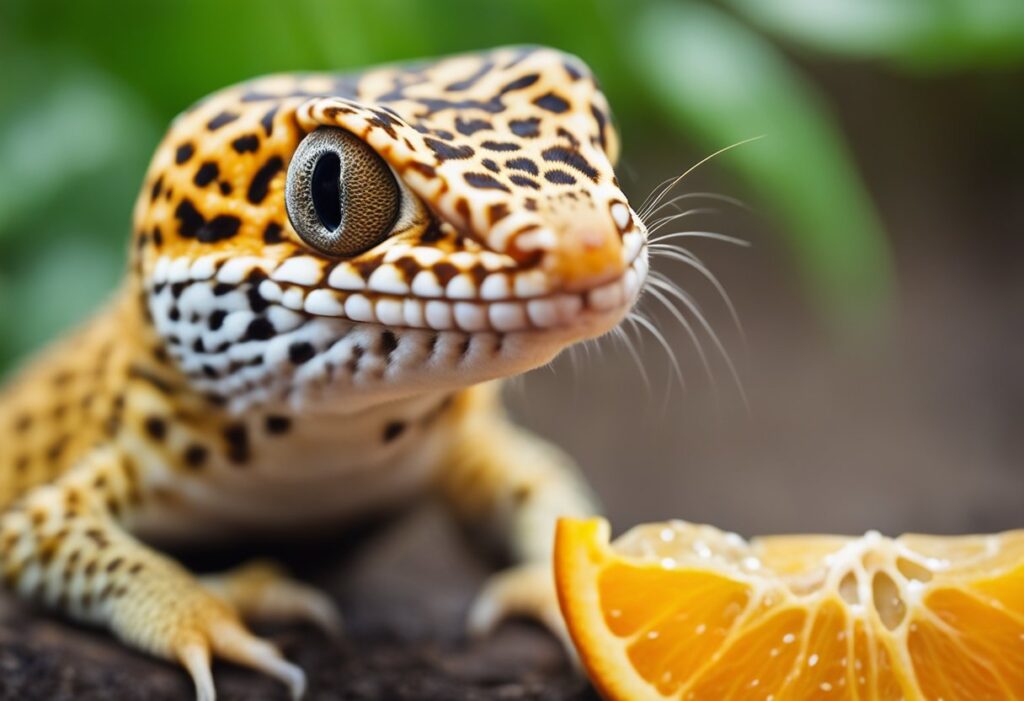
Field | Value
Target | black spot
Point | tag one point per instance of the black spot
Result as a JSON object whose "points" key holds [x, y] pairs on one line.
{"points": [[490, 165], [572, 70], [225, 188], [601, 122], [552, 103], [471, 80], [256, 301], [237, 437], [189, 219], [155, 381], [267, 120], [156, 428], [445, 152], [495, 213], [300, 353], [195, 456], [526, 128], [216, 399], [222, 288], [559, 177], [353, 363], [523, 181], [261, 181], [174, 314], [388, 343], [573, 159], [221, 227], [484, 181], [276, 425], [432, 234], [260, 329], [445, 272], [158, 237], [184, 153], [393, 430], [216, 319], [520, 83], [246, 144], [220, 120], [385, 121], [210, 372], [522, 494], [272, 234], [158, 185], [206, 174], [468, 127], [523, 164], [500, 146]]}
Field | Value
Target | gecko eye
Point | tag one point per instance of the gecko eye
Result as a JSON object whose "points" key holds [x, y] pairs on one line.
{"points": [[341, 196]]}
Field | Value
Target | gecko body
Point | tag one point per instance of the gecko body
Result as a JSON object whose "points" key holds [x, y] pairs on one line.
{"points": [[327, 274]]}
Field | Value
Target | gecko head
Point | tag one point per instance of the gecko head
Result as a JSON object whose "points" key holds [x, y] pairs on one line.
{"points": [[410, 228]]}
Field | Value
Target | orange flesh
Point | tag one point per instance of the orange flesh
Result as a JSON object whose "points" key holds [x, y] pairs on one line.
{"points": [[673, 611]]}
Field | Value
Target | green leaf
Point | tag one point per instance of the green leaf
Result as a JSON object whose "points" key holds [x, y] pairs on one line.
{"points": [[723, 84], [923, 34], [57, 136], [54, 291]]}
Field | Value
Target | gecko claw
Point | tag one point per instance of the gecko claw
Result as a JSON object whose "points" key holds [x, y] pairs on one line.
{"points": [[232, 642], [262, 590], [527, 591], [195, 657]]}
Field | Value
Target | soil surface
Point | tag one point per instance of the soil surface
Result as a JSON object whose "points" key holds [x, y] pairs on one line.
{"points": [[403, 641]]}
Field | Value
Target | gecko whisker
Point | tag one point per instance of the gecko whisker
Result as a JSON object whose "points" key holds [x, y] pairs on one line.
{"points": [[619, 334], [687, 258], [662, 221], [658, 280], [675, 200], [690, 331], [657, 200]]}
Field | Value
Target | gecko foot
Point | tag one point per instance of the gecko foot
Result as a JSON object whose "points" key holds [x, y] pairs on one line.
{"points": [[526, 591], [262, 590], [178, 619]]}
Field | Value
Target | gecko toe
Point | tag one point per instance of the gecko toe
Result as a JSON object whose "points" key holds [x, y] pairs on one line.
{"points": [[526, 591]]}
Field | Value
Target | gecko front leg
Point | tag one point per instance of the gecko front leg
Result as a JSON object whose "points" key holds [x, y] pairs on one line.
{"points": [[515, 485], [62, 546]]}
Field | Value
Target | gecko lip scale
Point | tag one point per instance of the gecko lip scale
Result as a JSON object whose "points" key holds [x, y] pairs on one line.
{"points": [[518, 303]]}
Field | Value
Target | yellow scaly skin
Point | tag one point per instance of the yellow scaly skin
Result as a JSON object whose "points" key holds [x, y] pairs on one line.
{"points": [[244, 381]]}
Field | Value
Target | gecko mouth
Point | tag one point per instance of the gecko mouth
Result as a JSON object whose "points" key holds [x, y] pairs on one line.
{"points": [[488, 309]]}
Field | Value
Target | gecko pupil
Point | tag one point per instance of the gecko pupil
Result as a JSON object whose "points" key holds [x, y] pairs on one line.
{"points": [[325, 188], [334, 217]]}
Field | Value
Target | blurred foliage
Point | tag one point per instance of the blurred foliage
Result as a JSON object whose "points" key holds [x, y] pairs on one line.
{"points": [[89, 87]]}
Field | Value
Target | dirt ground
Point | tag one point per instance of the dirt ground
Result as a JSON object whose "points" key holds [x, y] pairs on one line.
{"points": [[403, 641], [917, 427]]}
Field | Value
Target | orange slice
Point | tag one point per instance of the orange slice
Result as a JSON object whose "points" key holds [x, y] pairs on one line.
{"points": [[680, 611]]}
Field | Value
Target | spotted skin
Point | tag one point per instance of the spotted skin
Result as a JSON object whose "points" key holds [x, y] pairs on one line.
{"points": [[242, 382]]}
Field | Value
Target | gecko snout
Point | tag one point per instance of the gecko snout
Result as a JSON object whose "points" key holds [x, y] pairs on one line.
{"points": [[590, 250]]}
